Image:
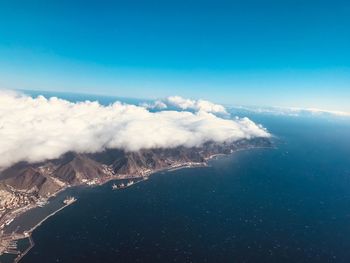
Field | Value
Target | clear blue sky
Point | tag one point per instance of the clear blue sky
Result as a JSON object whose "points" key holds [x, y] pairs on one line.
{"points": [[274, 53]]}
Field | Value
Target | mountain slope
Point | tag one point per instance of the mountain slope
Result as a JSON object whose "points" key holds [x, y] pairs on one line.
{"points": [[74, 168]]}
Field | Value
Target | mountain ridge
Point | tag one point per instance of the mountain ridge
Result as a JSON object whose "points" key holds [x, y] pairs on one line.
{"points": [[78, 168]]}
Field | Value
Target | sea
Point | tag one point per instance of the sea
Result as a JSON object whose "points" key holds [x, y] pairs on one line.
{"points": [[290, 203]]}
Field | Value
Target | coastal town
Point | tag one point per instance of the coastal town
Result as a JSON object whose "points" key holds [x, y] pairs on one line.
{"points": [[13, 203]]}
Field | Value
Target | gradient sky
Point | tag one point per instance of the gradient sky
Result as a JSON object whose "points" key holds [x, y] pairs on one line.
{"points": [[251, 52]]}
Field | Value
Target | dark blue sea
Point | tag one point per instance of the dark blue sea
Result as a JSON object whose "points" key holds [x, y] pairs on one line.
{"points": [[286, 204]]}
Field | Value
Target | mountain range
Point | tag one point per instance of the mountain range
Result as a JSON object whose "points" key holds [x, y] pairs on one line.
{"points": [[46, 178]]}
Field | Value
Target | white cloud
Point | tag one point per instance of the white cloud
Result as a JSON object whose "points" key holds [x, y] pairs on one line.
{"points": [[158, 104], [316, 111], [180, 103], [36, 129], [292, 111]]}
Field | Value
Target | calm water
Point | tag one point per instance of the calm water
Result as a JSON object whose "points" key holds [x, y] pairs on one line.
{"points": [[290, 204]]}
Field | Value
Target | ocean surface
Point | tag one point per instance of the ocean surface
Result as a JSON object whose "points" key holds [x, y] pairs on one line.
{"points": [[286, 204]]}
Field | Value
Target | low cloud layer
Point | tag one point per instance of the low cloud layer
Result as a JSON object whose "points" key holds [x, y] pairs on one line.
{"points": [[36, 129], [177, 102]]}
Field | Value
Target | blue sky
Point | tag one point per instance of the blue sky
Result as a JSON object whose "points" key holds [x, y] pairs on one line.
{"points": [[271, 53]]}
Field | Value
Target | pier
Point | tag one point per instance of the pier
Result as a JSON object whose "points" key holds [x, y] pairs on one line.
{"points": [[9, 242], [21, 255]]}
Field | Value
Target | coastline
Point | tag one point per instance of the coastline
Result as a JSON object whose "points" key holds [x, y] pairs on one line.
{"points": [[143, 177], [28, 233]]}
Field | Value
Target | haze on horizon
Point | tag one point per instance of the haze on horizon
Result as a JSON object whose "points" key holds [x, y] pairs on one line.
{"points": [[268, 53]]}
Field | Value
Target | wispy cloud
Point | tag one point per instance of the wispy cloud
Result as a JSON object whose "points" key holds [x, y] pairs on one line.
{"points": [[36, 129], [292, 111]]}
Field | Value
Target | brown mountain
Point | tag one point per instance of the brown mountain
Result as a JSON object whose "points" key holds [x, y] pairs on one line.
{"points": [[73, 168]]}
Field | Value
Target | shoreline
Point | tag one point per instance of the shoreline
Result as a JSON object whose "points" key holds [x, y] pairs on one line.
{"points": [[28, 233], [143, 177]]}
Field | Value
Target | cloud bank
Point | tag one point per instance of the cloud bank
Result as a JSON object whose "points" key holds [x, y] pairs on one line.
{"points": [[36, 129], [179, 103]]}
